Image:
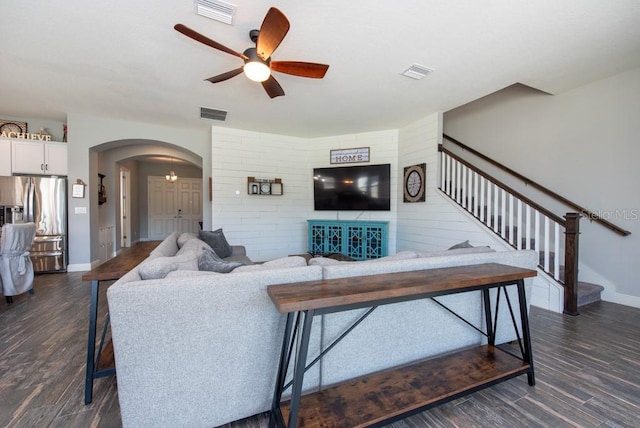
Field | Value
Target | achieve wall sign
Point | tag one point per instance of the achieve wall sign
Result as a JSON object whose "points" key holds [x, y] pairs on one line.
{"points": [[25, 136], [360, 154]]}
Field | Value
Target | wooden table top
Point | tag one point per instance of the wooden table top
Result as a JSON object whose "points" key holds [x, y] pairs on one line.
{"points": [[334, 293], [116, 267]]}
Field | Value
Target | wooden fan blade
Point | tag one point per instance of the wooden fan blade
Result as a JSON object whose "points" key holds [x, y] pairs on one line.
{"points": [[205, 40], [272, 87], [273, 29], [225, 76], [302, 69]]}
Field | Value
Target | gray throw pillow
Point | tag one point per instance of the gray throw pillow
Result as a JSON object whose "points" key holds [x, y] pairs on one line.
{"points": [[217, 241], [464, 244], [212, 263]]}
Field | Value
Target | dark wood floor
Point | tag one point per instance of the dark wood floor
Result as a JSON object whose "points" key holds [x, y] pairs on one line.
{"points": [[587, 369]]}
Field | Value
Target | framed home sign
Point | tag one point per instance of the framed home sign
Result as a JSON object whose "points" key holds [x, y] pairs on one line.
{"points": [[359, 154]]}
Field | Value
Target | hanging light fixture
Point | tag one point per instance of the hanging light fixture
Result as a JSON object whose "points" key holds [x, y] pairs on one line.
{"points": [[171, 177]]}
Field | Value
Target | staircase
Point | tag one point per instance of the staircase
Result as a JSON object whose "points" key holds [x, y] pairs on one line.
{"points": [[521, 222], [587, 292]]}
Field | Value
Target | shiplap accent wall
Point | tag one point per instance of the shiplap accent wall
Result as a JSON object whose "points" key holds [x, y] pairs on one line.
{"points": [[276, 226], [435, 224], [383, 148], [268, 226]]}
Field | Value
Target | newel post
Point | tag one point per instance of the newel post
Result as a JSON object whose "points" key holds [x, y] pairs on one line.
{"points": [[572, 231]]}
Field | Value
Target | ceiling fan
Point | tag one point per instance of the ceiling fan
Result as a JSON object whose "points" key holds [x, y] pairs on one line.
{"points": [[257, 60]]}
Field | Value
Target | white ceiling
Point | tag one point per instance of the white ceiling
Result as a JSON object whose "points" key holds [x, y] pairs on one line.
{"points": [[123, 59]]}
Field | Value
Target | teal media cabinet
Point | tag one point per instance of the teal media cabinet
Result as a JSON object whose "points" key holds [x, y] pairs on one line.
{"points": [[361, 240]]}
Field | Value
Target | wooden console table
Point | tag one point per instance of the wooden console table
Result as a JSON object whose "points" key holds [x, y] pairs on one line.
{"points": [[110, 270], [418, 386]]}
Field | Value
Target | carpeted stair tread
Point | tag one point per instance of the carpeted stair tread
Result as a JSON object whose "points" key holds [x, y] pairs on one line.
{"points": [[588, 293]]}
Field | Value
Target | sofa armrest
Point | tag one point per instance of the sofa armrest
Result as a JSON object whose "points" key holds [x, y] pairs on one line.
{"points": [[238, 254], [238, 250]]}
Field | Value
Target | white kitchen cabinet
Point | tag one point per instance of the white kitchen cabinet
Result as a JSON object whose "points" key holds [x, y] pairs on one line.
{"points": [[5, 158], [39, 158]]}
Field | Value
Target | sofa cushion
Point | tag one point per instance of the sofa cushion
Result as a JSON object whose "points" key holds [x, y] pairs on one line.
{"points": [[191, 274], [217, 241], [326, 261], [323, 261], [159, 267], [184, 237], [168, 247], [401, 255], [282, 263], [211, 262], [195, 245]]}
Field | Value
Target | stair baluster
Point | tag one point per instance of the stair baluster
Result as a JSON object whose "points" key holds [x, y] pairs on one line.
{"points": [[517, 220]]}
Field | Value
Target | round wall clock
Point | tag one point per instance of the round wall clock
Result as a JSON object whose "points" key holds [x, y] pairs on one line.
{"points": [[414, 183]]}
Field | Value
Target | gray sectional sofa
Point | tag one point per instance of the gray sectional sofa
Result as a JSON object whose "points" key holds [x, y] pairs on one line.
{"points": [[199, 349]]}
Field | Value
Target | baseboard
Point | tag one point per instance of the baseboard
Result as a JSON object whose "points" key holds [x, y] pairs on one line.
{"points": [[625, 299], [79, 267]]}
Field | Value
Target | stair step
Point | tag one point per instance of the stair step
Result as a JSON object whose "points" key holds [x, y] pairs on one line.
{"points": [[588, 293]]}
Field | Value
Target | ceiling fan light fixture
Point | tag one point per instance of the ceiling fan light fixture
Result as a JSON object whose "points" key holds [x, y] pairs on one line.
{"points": [[257, 60], [257, 71], [255, 68]]}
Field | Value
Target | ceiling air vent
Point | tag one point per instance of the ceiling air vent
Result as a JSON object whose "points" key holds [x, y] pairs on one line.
{"points": [[209, 113], [216, 9], [417, 71]]}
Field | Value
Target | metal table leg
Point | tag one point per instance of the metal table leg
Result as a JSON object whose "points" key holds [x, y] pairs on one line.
{"points": [[91, 343], [526, 336], [275, 418], [298, 373]]}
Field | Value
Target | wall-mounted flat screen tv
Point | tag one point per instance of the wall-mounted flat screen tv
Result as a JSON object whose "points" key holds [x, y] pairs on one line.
{"points": [[352, 188]]}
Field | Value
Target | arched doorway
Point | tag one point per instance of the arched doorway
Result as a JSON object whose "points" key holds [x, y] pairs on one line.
{"points": [[128, 167]]}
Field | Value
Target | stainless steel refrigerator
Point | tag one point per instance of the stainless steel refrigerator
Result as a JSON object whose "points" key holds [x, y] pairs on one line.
{"points": [[43, 201]]}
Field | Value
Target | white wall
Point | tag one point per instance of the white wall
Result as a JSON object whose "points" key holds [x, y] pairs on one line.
{"points": [[275, 226], [86, 134], [582, 144], [435, 224]]}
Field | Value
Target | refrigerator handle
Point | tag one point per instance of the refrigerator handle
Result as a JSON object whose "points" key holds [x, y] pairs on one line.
{"points": [[30, 200]]}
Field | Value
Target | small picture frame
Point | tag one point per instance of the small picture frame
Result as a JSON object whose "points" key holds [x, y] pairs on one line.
{"points": [[77, 190]]}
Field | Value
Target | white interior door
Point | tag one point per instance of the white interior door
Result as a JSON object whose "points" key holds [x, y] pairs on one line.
{"points": [[174, 207], [189, 204]]}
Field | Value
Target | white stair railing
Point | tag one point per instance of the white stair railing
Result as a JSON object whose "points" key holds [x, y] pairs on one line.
{"points": [[513, 217]]}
